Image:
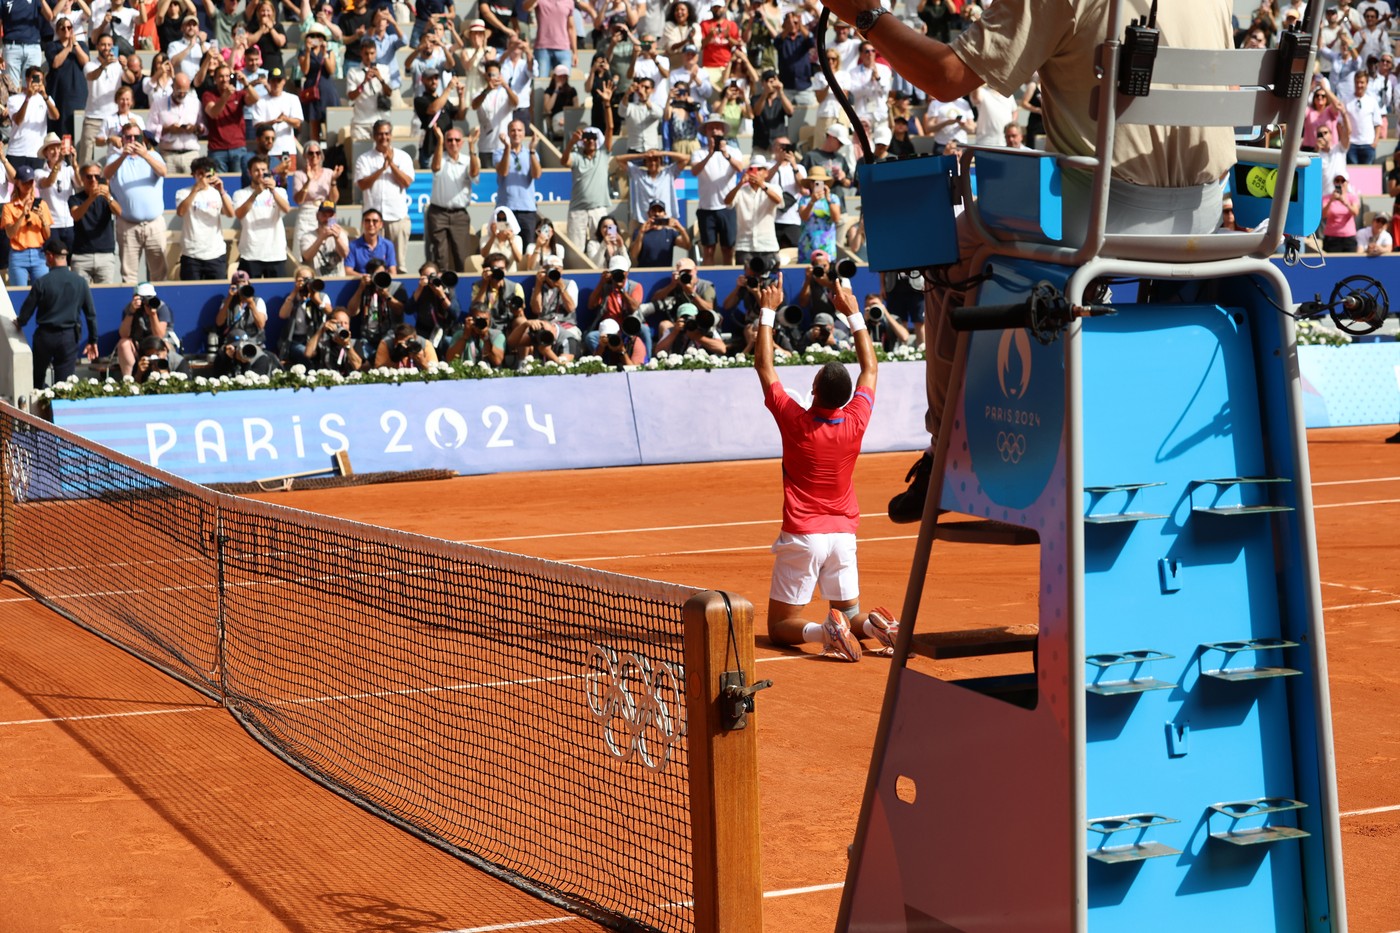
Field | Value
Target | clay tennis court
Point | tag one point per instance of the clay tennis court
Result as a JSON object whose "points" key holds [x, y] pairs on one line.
{"points": [[135, 804]]}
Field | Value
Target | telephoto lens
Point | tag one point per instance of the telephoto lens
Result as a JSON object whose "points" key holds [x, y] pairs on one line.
{"points": [[554, 275], [449, 279], [617, 275], [382, 280], [413, 345], [791, 315], [481, 322], [497, 273], [687, 277], [632, 326], [751, 281], [874, 313], [614, 340], [542, 337], [153, 303], [846, 268], [318, 285], [435, 281], [343, 334], [249, 351], [705, 320], [247, 292]]}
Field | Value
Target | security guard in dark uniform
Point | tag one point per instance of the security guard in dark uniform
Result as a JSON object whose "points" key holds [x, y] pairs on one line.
{"points": [[55, 302]]}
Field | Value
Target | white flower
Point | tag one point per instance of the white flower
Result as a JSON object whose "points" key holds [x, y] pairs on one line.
{"points": [[201, 381], [108, 387], [355, 376], [651, 364], [630, 369], [47, 393], [298, 370], [71, 380], [133, 389], [483, 366], [128, 378], [92, 382]]}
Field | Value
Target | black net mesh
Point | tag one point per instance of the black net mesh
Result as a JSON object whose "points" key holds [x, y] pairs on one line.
{"points": [[529, 717]]}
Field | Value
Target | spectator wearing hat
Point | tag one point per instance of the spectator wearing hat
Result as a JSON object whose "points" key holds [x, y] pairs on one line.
{"points": [[559, 95], [446, 224], [1340, 209], [820, 210], [370, 246], [27, 220], [821, 333], [320, 61], [614, 297], [619, 349], [258, 210], [94, 239], [681, 33], [654, 242], [176, 127], [368, 89], [436, 114], [30, 111], [224, 109], [231, 361], [201, 207], [689, 72], [55, 182], [771, 111], [517, 167], [716, 170], [383, 175], [137, 176], [685, 332], [281, 111], [58, 303], [495, 108], [719, 38], [145, 315], [830, 155], [473, 56], [586, 157], [550, 327], [795, 65], [1375, 240], [756, 202], [190, 54], [325, 246]]}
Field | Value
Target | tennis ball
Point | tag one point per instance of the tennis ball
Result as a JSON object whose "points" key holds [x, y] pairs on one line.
{"points": [[1260, 181]]}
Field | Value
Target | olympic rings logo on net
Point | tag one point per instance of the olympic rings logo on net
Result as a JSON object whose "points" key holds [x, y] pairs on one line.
{"points": [[17, 463], [640, 706], [1012, 447]]}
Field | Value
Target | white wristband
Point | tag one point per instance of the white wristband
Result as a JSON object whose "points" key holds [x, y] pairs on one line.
{"points": [[766, 316], [856, 322]]}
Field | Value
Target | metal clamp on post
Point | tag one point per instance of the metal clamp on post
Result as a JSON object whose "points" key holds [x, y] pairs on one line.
{"points": [[736, 699], [1045, 312]]}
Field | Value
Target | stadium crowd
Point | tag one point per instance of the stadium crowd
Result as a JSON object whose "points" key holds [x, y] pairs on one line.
{"points": [[108, 105]]}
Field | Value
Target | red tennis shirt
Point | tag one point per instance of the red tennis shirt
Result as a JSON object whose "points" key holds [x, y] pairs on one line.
{"points": [[820, 446]]}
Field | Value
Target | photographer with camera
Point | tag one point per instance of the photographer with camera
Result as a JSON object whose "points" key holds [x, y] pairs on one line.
{"points": [[332, 347], [325, 247], [756, 203], [433, 305], [886, 329], [242, 354], [145, 315], [619, 347], [495, 295], [614, 297], [303, 312], [818, 283], [376, 307], [692, 328], [404, 349], [478, 341], [154, 355], [549, 327], [654, 243], [822, 333], [748, 289], [241, 310], [684, 285]]}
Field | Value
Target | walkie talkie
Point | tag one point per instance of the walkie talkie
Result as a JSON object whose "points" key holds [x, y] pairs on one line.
{"points": [[1291, 66], [1137, 55]]}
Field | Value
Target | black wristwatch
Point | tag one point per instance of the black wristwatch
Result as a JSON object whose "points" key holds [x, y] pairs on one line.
{"points": [[865, 19]]}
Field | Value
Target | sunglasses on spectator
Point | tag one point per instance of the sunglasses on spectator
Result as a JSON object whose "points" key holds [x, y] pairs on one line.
{"points": [[92, 176]]}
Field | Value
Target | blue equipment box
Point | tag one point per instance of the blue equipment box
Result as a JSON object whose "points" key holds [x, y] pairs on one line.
{"points": [[1304, 202], [907, 207], [1019, 192]]}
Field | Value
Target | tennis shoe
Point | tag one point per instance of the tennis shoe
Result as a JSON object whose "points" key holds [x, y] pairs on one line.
{"points": [[886, 628], [839, 642]]}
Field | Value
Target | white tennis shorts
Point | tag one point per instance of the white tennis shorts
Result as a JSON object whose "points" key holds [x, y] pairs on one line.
{"points": [[804, 562]]}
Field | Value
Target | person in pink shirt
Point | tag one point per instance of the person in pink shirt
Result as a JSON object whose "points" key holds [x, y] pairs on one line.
{"points": [[1340, 208], [817, 544]]}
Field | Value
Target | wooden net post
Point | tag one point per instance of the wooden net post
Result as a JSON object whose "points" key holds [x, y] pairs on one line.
{"points": [[723, 767]]}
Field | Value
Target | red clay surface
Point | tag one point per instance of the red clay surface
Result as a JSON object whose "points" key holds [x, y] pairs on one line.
{"points": [[157, 813]]}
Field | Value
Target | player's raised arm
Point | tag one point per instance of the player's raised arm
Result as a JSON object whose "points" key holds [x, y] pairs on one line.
{"points": [[769, 300], [845, 302]]}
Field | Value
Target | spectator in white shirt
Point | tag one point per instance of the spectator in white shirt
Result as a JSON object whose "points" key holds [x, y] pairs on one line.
{"points": [[383, 175], [446, 224], [258, 208], [282, 111], [30, 113], [517, 71], [495, 108], [641, 117], [756, 202], [1372, 40], [949, 122], [716, 169], [325, 247], [112, 127], [995, 112], [1375, 240], [104, 77], [176, 126], [367, 87], [191, 54], [869, 89], [119, 21], [204, 254], [55, 183], [1367, 121]]}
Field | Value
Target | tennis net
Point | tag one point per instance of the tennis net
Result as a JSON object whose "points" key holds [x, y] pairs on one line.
{"points": [[527, 717]]}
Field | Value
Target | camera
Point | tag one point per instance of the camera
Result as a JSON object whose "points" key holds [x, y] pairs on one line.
{"points": [[844, 269], [874, 314], [481, 321], [703, 322], [382, 280], [554, 275], [154, 363], [614, 340], [515, 303], [617, 276], [249, 351], [687, 277], [315, 286], [410, 347], [790, 315], [247, 292], [542, 337], [447, 279], [496, 273]]}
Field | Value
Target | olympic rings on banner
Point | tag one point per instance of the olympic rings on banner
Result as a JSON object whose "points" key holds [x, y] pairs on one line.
{"points": [[1012, 447], [640, 706]]}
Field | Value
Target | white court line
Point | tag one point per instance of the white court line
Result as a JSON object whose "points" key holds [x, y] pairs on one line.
{"points": [[1372, 810], [1347, 505], [1357, 482], [1388, 602], [144, 712], [711, 550]]}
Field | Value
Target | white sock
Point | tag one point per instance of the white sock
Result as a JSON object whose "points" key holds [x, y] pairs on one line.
{"points": [[813, 633], [870, 628]]}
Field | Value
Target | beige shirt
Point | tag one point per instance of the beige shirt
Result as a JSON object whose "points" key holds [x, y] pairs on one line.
{"points": [[1060, 39]]}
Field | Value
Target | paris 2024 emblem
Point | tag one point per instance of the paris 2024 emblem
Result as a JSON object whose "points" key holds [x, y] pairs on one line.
{"points": [[1014, 406]]}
